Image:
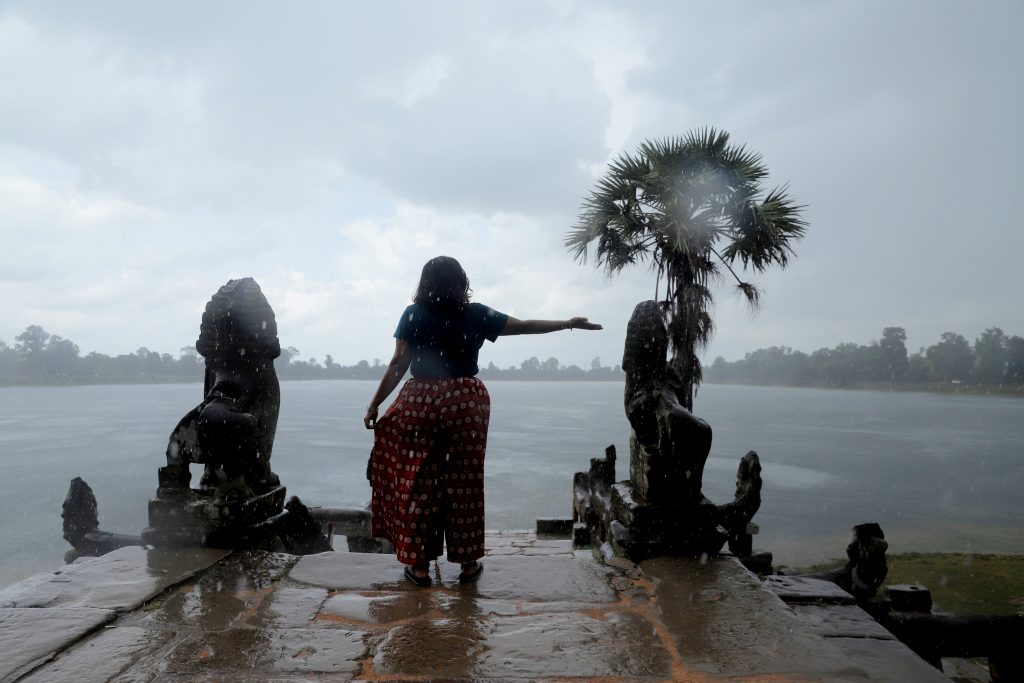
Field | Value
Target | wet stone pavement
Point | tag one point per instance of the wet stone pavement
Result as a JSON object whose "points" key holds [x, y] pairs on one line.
{"points": [[540, 611]]}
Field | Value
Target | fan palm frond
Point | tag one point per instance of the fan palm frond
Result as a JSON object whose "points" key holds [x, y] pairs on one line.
{"points": [[764, 232], [682, 202], [751, 293]]}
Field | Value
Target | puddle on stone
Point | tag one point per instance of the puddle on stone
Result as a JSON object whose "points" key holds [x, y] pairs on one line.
{"points": [[383, 608]]}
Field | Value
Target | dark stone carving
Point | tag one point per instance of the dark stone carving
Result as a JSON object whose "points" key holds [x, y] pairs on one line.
{"points": [[82, 525], [661, 510], [80, 512], [591, 509], [300, 532], [735, 516], [866, 566], [232, 430], [670, 444], [239, 501]]}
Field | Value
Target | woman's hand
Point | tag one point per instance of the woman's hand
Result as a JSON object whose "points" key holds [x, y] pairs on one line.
{"points": [[392, 376], [583, 324]]}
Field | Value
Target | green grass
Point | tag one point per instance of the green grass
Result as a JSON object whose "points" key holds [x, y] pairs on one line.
{"points": [[960, 583]]}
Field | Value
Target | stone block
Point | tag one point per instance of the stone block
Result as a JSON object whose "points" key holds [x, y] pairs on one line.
{"points": [[205, 521], [543, 645], [379, 608], [909, 597], [559, 577], [888, 660], [840, 621], [350, 571], [261, 653], [99, 658], [802, 590], [759, 562], [120, 580], [30, 637], [581, 535], [725, 623], [554, 526], [741, 545]]}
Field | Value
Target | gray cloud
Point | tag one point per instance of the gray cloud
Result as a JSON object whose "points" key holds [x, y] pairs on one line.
{"points": [[148, 153]]}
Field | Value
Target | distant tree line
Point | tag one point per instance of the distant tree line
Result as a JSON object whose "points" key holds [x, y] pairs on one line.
{"points": [[37, 357], [289, 367], [534, 369], [995, 360]]}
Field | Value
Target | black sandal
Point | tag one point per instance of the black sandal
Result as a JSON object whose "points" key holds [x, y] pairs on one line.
{"points": [[418, 580], [472, 575]]}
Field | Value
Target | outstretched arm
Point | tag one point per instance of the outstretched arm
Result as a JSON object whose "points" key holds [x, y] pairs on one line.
{"points": [[516, 326], [392, 376]]}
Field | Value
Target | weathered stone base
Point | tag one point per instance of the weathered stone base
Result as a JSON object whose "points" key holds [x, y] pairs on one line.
{"points": [[612, 514], [201, 520], [640, 531]]}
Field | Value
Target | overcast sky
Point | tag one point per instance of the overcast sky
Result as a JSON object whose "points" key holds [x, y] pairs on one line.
{"points": [[151, 151]]}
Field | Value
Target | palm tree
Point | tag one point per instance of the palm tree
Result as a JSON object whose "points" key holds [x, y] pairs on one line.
{"points": [[690, 206]]}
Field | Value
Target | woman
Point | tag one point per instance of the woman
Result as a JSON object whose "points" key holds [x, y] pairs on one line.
{"points": [[427, 465]]}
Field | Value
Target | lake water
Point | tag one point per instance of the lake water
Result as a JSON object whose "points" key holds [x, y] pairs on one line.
{"points": [[938, 472]]}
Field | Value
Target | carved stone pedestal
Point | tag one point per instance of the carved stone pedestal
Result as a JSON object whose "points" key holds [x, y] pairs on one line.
{"points": [[641, 530], [196, 519], [606, 511]]}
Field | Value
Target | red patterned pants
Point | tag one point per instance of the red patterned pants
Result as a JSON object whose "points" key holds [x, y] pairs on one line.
{"points": [[427, 470]]}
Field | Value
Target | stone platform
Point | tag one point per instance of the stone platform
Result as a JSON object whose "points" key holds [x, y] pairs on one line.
{"points": [[540, 612]]}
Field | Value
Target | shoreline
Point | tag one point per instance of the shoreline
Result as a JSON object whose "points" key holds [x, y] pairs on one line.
{"points": [[1000, 391], [1007, 391]]}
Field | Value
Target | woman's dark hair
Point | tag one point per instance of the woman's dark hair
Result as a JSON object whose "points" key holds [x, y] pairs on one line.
{"points": [[443, 284]]}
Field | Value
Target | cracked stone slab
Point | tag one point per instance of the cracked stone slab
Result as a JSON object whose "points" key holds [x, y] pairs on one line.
{"points": [[351, 571], [383, 608], [617, 644], [243, 677], [387, 608], [241, 590], [29, 637], [266, 651], [293, 607], [541, 578], [534, 552], [97, 659], [564, 545], [528, 608], [835, 621], [504, 550], [121, 580], [801, 589]]}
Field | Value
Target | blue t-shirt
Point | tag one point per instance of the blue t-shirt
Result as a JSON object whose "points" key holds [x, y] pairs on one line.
{"points": [[446, 343]]}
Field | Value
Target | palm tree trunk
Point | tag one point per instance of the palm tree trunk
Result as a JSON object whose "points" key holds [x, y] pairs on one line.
{"points": [[683, 332]]}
